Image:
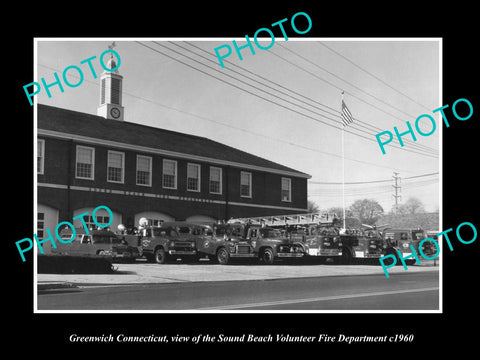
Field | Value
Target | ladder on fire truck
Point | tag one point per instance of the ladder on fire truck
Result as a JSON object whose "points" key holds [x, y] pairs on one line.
{"points": [[314, 218]]}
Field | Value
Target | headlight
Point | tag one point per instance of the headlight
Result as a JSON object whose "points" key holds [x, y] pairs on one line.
{"points": [[172, 243], [254, 243]]}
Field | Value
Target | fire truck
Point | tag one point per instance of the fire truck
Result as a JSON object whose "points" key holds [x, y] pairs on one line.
{"points": [[400, 239], [222, 242], [170, 241], [315, 232], [300, 235], [321, 242], [271, 244], [321, 236], [364, 243]]}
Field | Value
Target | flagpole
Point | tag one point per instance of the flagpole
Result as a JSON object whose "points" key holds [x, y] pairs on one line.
{"points": [[343, 167]]}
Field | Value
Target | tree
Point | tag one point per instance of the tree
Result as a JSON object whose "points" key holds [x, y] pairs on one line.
{"points": [[350, 221], [411, 206], [312, 207], [339, 212], [367, 211]]}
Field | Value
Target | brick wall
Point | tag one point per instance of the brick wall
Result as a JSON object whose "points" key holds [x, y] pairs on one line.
{"points": [[59, 168]]}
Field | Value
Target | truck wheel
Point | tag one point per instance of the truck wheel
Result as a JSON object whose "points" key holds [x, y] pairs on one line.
{"points": [[388, 261], [346, 257], [160, 256], [223, 256], [267, 256]]}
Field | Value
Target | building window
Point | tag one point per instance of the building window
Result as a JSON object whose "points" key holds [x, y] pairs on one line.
{"points": [[286, 189], [40, 224], [144, 170], [215, 180], [245, 184], [155, 222], [169, 174], [85, 163], [193, 177], [100, 220], [115, 166], [40, 155]]}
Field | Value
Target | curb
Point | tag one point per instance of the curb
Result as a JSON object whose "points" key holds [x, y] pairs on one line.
{"points": [[72, 285], [55, 285]]}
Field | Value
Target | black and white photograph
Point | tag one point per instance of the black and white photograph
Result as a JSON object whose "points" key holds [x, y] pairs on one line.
{"points": [[216, 180], [292, 164]]}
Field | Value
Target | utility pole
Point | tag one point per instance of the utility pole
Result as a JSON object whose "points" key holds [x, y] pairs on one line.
{"points": [[396, 189]]}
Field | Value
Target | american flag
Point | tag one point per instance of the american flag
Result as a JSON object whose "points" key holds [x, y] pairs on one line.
{"points": [[347, 117]]}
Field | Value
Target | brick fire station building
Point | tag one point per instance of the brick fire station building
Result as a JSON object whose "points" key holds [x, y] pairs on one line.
{"points": [[84, 161]]}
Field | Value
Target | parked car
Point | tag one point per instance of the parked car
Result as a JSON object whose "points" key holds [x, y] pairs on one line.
{"points": [[97, 242]]}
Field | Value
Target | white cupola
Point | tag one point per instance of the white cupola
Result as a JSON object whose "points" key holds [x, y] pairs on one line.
{"points": [[111, 92]]}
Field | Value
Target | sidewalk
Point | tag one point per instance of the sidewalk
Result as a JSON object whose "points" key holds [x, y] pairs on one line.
{"points": [[147, 273]]}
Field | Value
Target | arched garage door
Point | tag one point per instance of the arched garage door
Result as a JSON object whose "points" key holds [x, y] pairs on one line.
{"points": [[201, 219], [102, 215], [154, 218]]}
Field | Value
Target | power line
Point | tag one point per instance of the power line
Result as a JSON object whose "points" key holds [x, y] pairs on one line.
{"points": [[348, 82], [267, 99], [337, 112], [338, 77], [417, 176], [384, 189], [262, 135], [334, 85], [417, 146], [368, 182], [366, 192], [372, 75]]}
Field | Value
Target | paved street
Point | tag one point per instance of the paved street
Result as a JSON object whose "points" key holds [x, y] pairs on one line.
{"points": [[404, 290], [142, 272]]}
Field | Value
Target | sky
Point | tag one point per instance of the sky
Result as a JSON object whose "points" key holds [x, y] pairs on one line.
{"points": [[282, 104]]}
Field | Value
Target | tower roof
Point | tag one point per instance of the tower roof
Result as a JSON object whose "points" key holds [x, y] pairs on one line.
{"points": [[111, 64]]}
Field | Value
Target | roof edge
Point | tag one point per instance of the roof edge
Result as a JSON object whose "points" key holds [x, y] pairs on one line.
{"points": [[90, 140]]}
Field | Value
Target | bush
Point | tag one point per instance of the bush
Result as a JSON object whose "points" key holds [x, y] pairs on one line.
{"points": [[67, 264]]}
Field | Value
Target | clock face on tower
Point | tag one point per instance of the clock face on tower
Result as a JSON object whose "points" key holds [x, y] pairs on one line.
{"points": [[115, 112]]}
